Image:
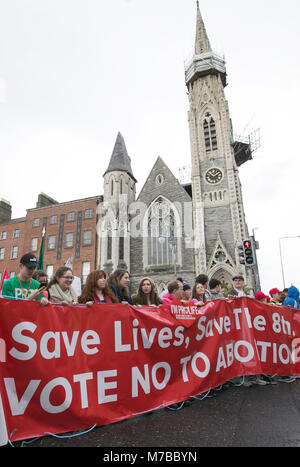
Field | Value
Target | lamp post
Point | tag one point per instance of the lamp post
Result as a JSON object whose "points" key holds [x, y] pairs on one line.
{"points": [[280, 252]]}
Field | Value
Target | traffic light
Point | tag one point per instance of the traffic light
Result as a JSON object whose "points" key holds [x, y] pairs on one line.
{"points": [[249, 253], [241, 253]]}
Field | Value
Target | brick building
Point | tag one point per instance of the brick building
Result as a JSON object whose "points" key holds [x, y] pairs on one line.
{"points": [[70, 234]]}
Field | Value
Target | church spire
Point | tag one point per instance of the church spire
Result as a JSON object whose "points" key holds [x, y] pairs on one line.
{"points": [[202, 44]]}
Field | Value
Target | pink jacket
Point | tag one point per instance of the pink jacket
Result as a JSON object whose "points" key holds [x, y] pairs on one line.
{"points": [[167, 299]]}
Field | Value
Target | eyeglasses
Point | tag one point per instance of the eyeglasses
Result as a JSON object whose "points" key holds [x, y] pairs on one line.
{"points": [[69, 278]]}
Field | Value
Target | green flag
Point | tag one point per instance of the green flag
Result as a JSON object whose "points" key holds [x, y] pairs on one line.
{"points": [[41, 255]]}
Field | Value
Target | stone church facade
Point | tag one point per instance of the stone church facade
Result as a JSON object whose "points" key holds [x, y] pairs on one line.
{"points": [[174, 230]]}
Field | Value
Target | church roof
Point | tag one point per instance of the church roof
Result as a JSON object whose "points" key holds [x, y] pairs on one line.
{"points": [[202, 44], [119, 159]]}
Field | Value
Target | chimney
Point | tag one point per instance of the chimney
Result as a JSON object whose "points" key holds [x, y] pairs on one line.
{"points": [[5, 211]]}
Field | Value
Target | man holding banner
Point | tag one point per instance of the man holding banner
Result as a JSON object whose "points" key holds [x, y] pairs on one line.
{"points": [[22, 286]]}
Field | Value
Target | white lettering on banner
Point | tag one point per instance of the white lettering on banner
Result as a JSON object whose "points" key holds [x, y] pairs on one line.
{"points": [[196, 371], [165, 337], [103, 386], [45, 396], [24, 340], [232, 350], [144, 379], [207, 330], [82, 379], [89, 341], [18, 407]]}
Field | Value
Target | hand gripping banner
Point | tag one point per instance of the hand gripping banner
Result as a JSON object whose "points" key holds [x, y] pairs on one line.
{"points": [[65, 368]]}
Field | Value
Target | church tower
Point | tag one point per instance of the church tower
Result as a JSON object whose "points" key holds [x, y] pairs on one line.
{"points": [[113, 225], [218, 212]]}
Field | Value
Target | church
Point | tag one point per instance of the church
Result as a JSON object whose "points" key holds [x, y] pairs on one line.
{"points": [[170, 229], [173, 229]]}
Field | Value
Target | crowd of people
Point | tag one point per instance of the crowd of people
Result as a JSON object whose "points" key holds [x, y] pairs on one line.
{"points": [[32, 284]]}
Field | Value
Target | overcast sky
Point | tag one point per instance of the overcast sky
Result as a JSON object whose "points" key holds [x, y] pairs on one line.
{"points": [[75, 72]]}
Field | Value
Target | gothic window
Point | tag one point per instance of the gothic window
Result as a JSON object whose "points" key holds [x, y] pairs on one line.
{"points": [[210, 134], [121, 243], [109, 243], [112, 187], [161, 240]]}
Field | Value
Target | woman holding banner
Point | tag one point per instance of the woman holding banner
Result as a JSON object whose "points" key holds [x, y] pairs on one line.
{"points": [[60, 287], [96, 290], [198, 294], [119, 281], [147, 294]]}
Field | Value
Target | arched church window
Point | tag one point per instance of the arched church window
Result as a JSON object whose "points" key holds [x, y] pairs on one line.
{"points": [[161, 240], [121, 243], [210, 134], [112, 187], [109, 243]]}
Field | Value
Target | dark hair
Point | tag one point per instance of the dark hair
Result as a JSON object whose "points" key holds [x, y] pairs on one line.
{"points": [[58, 274], [213, 283], [201, 279], [239, 276], [197, 296], [115, 278], [39, 273], [141, 299], [89, 288]]}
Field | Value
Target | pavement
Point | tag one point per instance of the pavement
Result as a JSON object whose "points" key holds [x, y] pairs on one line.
{"points": [[260, 416]]}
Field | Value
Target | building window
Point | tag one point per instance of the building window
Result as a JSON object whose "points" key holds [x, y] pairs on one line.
{"points": [[34, 244], [87, 237], [3, 235], [49, 271], [53, 220], [36, 222], [51, 242], [70, 216], [69, 240], [14, 252], [112, 188], [2, 252], [85, 270], [16, 233], [210, 134], [88, 214], [161, 241], [109, 243]]}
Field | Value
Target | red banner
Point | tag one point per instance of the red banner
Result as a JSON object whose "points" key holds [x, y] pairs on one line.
{"points": [[65, 368]]}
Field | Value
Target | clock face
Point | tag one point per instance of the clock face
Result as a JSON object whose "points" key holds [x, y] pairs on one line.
{"points": [[213, 176]]}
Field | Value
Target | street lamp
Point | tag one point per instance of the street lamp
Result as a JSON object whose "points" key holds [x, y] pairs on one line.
{"points": [[280, 252]]}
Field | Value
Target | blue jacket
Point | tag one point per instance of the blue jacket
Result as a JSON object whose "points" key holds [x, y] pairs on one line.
{"points": [[293, 298]]}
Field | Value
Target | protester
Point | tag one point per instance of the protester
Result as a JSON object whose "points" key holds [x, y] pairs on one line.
{"points": [[284, 294], [42, 278], [119, 281], [187, 292], [293, 298], [60, 286], [147, 294], [275, 295], [198, 294], [203, 279], [23, 286], [261, 297], [215, 289], [238, 287], [175, 292], [96, 290]]}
